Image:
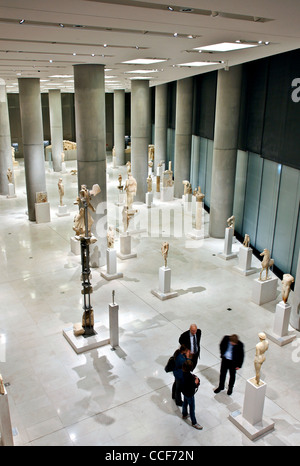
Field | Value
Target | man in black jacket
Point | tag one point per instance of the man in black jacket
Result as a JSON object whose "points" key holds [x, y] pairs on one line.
{"points": [[191, 339], [232, 354]]}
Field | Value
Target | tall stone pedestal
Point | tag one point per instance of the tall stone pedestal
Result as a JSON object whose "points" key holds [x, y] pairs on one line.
{"points": [[245, 259], [149, 199], [167, 194], [42, 212], [227, 254], [280, 333], [164, 291], [251, 421], [125, 247], [111, 264], [75, 246], [11, 191], [114, 324], [5, 422], [62, 211], [264, 291]]}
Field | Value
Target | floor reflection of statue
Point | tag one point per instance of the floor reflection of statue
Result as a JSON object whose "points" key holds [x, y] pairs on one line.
{"points": [[61, 191], [164, 251], [287, 280], [260, 357], [130, 188], [83, 220]]}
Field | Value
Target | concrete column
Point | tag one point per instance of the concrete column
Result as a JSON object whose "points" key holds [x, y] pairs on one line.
{"points": [[91, 147], [295, 314], [225, 149], [119, 126], [33, 140], [5, 140], [140, 134], [183, 134], [160, 130], [56, 127]]}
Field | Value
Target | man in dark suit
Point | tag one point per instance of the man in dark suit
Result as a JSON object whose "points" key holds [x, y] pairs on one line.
{"points": [[232, 354], [191, 339]]}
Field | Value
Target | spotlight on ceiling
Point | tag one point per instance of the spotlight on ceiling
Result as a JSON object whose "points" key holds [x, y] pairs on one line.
{"points": [[22, 21]]}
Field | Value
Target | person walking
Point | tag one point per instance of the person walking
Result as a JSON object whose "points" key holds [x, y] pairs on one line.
{"points": [[232, 354], [189, 387], [182, 356], [191, 339]]}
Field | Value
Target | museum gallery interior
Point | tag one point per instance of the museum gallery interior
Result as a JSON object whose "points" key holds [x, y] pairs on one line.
{"points": [[149, 181]]}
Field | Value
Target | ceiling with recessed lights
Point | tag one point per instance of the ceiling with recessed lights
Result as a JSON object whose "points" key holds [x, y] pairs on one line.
{"points": [[135, 39]]}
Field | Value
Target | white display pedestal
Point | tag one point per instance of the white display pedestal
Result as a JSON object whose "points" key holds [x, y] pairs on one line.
{"points": [[111, 261], [245, 259], [5, 422], [62, 211], [114, 324], [75, 246], [125, 247], [281, 334], [149, 199], [164, 291], [11, 191], [228, 254], [63, 167], [187, 197], [42, 212], [251, 421], [264, 291], [80, 343], [114, 161], [121, 198], [167, 193]]}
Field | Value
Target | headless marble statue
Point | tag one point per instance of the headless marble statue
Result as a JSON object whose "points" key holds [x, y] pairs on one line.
{"points": [[260, 357]]}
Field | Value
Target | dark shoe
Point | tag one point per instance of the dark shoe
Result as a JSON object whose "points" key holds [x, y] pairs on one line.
{"points": [[218, 390], [229, 391], [185, 417]]}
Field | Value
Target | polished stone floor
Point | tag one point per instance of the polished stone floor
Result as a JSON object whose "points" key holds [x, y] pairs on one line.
{"points": [[123, 396]]}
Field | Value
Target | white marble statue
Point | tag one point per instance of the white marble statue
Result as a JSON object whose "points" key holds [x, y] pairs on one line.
{"points": [[127, 215], [287, 280], [260, 357], [79, 220], [110, 237], [187, 187], [246, 241], [149, 184], [267, 262], [61, 191], [120, 186], [231, 222], [2, 389], [130, 188], [9, 175], [165, 251], [128, 167]]}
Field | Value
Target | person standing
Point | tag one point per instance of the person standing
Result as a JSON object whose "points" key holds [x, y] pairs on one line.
{"points": [[181, 357], [232, 354], [189, 387], [191, 339]]}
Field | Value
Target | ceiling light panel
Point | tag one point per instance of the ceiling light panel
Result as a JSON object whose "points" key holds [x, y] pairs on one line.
{"points": [[225, 47]]}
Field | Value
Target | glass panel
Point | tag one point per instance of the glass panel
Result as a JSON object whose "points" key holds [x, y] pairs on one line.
{"points": [[202, 164], [268, 205], [209, 159], [239, 189], [286, 219], [195, 155], [252, 196]]}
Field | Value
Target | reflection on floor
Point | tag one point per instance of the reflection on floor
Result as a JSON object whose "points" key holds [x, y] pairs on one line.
{"points": [[123, 397]]}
